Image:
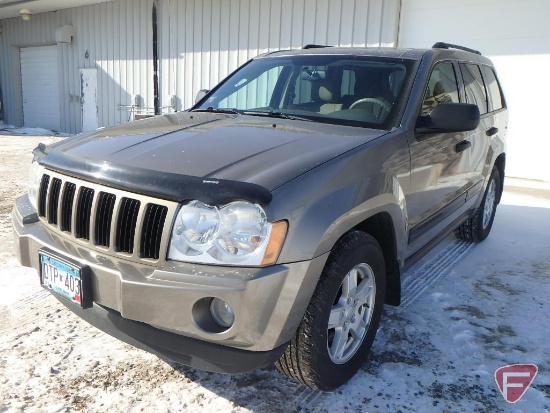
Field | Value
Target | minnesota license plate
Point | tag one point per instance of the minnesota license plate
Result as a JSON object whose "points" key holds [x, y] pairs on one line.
{"points": [[64, 278]]}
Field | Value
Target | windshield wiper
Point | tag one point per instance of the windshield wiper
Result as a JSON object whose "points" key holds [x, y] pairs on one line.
{"points": [[218, 110], [273, 114]]}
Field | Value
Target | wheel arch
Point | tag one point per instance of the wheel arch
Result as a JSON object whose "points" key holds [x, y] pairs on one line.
{"points": [[384, 218], [380, 226]]}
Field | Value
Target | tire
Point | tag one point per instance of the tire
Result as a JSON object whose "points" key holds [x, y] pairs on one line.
{"points": [[324, 356], [477, 228]]}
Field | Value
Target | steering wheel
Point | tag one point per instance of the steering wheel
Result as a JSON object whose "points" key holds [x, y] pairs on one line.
{"points": [[377, 102]]}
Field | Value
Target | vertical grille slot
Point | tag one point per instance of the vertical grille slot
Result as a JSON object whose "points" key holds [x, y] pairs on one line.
{"points": [[53, 201], [151, 232], [103, 218], [83, 213], [44, 183], [126, 225], [67, 202]]}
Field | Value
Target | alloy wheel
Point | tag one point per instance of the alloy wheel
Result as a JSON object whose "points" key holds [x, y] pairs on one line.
{"points": [[351, 313]]}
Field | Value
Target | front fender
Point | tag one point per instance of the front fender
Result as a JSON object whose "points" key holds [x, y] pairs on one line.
{"points": [[386, 203], [324, 205]]}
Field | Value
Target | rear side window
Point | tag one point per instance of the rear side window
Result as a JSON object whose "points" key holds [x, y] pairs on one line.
{"points": [[475, 88], [442, 87], [495, 93]]}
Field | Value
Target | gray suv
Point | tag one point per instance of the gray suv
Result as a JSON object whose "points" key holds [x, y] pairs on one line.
{"points": [[272, 221]]}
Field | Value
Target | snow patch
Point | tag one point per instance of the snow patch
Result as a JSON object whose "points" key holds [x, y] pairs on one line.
{"points": [[31, 131], [472, 310]]}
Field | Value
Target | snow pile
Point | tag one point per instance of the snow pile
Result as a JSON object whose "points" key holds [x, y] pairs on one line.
{"points": [[12, 130]]}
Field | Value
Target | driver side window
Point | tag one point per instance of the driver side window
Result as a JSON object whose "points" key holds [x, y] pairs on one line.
{"points": [[442, 87]]}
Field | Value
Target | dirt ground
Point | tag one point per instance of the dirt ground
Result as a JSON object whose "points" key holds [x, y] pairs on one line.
{"points": [[467, 310]]}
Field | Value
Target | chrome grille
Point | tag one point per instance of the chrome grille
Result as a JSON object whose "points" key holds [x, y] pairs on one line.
{"points": [[110, 220]]}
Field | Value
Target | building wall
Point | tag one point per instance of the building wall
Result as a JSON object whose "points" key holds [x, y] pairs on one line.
{"points": [[515, 34], [117, 38], [202, 41]]}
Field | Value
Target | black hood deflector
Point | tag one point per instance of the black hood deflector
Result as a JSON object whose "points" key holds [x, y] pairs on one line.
{"points": [[164, 185]]}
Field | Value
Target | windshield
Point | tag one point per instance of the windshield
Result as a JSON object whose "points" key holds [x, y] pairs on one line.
{"points": [[347, 90]]}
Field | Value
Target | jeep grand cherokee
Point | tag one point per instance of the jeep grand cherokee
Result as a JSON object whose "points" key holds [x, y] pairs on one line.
{"points": [[271, 221]]}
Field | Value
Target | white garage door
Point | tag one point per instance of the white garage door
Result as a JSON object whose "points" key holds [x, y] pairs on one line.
{"points": [[515, 34], [40, 84]]}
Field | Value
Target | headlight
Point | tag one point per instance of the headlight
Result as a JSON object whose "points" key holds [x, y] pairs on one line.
{"points": [[35, 176], [197, 227], [236, 233], [244, 231]]}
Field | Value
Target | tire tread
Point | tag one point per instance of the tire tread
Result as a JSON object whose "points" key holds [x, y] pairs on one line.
{"points": [[472, 230], [298, 360]]}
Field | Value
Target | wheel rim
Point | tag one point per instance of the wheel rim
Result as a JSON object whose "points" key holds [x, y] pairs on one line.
{"points": [[351, 313], [489, 203]]}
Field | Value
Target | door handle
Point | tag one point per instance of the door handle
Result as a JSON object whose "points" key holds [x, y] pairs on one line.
{"points": [[462, 146], [491, 131]]}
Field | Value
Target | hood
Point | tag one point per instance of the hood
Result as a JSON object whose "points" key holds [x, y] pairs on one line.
{"points": [[263, 151]]}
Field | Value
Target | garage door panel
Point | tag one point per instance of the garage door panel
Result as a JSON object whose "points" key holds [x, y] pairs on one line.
{"points": [[42, 66], [42, 109], [40, 87]]}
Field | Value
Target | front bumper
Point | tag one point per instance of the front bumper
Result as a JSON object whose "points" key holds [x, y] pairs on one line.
{"points": [[155, 307], [185, 350]]}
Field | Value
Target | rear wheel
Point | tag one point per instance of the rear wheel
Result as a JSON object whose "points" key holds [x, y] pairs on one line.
{"points": [[334, 338], [477, 228]]}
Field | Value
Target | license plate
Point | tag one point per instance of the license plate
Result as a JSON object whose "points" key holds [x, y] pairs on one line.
{"points": [[65, 278]]}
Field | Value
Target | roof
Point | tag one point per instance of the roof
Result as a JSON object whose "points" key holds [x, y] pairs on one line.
{"points": [[414, 54], [440, 48]]}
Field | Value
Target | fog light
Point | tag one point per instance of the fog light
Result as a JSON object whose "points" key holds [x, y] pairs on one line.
{"points": [[222, 313]]}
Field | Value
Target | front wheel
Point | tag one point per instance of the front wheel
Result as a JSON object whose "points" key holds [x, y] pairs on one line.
{"points": [[477, 228], [340, 323]]}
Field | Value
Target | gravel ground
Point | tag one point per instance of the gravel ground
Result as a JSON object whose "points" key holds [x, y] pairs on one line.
{"points": [[437, 352]]}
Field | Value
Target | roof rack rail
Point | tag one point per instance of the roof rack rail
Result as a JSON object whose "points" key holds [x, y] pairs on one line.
{"points": [[315, 46], [273, 52], [443, 45]]}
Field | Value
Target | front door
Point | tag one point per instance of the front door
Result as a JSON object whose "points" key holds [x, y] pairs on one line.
{"points": [[88, 99], [440, 165]]}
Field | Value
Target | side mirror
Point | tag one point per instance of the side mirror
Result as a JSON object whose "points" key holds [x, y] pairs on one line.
{"points": [[200, 94], [449, 117]]}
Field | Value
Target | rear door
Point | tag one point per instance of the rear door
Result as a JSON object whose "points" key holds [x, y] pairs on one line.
{"points": [[480, 139], [497, 105]]}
